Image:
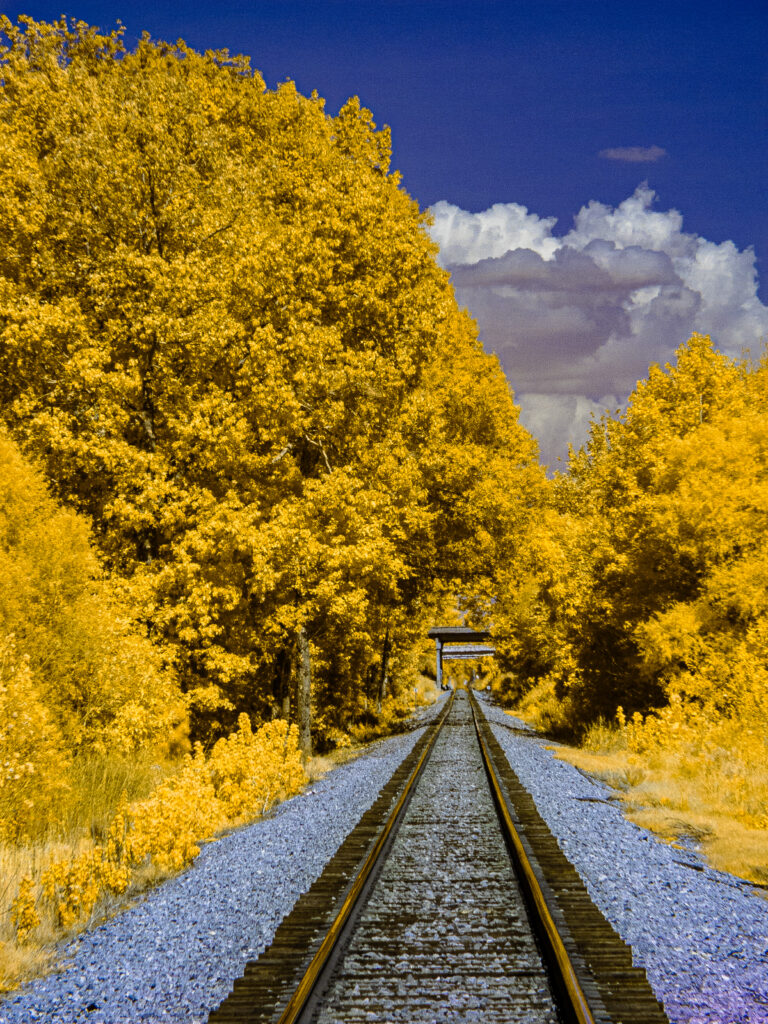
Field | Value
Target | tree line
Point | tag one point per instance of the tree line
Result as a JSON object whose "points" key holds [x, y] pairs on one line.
{"points": [[227, 345], [644, 583]]}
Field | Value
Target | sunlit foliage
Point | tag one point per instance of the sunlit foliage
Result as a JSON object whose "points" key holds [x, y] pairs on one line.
{"points": [[243, 776], [661, 586], [225, 336], [644, 588], [76, 677], [647, 576]]}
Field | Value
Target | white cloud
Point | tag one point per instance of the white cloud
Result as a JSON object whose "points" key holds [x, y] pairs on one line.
{"points": [[577, 319], [724, 277], [556, 424], [468, 237], [634, 154]]}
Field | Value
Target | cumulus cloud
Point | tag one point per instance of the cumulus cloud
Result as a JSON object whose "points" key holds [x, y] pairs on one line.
{"points": [[557, 424], [577, 319], [634, 154], [469, 237]]}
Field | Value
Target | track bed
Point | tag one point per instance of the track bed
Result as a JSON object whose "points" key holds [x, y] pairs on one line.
{"points": [[445, 932], [450, 901]]}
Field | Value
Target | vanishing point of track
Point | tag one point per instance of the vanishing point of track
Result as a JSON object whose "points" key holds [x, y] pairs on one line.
{"points": [[449, 901]]}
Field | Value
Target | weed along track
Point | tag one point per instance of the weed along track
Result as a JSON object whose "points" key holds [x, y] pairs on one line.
{"points": [[450, 901]]}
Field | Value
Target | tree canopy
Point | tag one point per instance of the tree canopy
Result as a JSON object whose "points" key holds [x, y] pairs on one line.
{"points": [[645, 581], [225, 337]]}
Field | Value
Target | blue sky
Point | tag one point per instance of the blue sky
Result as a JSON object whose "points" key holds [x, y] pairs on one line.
{"points": [[550, 106]]}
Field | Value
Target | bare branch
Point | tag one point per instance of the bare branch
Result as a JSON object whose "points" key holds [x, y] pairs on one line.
{"points": [[280, 455]]}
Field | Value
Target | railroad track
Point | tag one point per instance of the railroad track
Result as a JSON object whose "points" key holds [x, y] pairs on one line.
{"points": [[449, 901]]}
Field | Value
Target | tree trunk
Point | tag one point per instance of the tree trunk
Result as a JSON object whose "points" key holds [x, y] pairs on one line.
{"points": [[282, 684], [383, 673], [304, 695]]}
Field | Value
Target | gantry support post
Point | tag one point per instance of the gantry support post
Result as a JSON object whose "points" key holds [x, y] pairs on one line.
{"points": [[459, 642]]}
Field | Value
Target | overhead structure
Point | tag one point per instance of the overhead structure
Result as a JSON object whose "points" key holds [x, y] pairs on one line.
{"points": [[467, 651], [459, 642]]}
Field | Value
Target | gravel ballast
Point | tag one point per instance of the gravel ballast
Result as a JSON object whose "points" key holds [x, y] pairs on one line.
{"points": [[701, 935], [174, 956]]}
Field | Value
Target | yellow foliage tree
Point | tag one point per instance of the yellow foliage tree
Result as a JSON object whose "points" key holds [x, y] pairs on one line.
{"points": [[75, 675], [651, 571], [224, 333]]}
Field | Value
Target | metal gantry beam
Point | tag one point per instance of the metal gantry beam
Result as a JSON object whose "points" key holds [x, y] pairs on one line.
{"points": [[465, 652], [459, 643]]}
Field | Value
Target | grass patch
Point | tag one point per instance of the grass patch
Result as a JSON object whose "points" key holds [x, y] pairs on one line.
{"points": [[320, 764], [125, 825], [710, 789]]}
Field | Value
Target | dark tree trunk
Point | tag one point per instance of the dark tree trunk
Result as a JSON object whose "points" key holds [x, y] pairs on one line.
{"points": [[382, 691], [304, 694], [282, 683]]}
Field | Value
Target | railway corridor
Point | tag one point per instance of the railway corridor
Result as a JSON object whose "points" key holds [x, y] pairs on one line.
{"points": [[444, 935]]}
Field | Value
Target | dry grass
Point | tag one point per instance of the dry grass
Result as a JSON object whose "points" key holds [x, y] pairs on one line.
{"points": [[320, 764], [727, 844], [97, 784], [93, 789], [125, 826], [20, 962], [679, 793]]}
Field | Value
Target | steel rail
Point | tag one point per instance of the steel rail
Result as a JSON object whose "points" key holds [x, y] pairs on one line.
{"points": [[560, 960], [303, 991]]}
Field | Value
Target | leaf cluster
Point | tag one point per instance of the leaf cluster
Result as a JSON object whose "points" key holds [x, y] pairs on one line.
{"points": [[224, 334], [646, 583]]}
